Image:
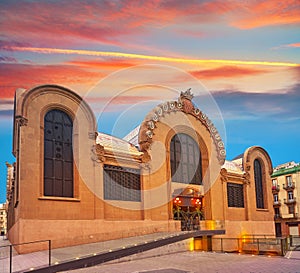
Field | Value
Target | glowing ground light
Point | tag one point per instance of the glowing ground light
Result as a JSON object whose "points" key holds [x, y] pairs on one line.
{"points": [[191, 244]]}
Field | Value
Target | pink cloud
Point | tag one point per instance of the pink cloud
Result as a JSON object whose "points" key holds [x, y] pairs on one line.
{"points": [[110, 63], [66, 23]]}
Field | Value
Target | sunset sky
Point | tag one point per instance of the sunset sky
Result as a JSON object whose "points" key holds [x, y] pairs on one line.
{"points": [[243, 55]]}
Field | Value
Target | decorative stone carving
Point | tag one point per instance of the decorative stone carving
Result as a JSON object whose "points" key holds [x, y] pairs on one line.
{"points": [[224, 177], [186, 95], [98, 153], [21, 120], [185, 105], [145, 157], [246, 178]]}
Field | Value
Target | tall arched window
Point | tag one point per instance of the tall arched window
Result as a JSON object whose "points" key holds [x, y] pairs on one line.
{"points": [[58, 154], [259, 189], [185, 157]]}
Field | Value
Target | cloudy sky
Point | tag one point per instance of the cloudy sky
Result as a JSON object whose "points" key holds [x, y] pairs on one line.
{"points": [[243, 55]]}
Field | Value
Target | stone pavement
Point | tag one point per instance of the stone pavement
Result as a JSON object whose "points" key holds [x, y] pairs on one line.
{"points": [[41, 258], [194, 262], [169, 263]]}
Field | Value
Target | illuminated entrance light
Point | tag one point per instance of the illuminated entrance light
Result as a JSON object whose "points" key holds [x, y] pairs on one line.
{"points": [[177, 200]]}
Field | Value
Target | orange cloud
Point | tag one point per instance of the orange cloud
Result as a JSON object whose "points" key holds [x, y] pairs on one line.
{"points": [[227, 72], [14, 76], [293, 45], [253, 14]]}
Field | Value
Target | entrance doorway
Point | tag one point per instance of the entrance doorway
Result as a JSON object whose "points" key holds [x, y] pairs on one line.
{"points": [[188, 208]]}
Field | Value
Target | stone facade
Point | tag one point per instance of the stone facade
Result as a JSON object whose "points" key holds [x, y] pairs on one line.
{"points": [[94, 211]]}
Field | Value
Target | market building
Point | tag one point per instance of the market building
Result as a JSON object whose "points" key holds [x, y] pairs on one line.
{"points": [[75, 185]]}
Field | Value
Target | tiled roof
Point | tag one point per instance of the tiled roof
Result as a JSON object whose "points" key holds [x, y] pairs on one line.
{"points": [[116, 145]]}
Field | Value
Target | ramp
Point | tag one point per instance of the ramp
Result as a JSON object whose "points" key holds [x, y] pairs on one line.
{"points": [[122, 252]]}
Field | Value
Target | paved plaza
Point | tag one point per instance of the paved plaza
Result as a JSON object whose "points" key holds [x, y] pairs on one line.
{"points": [[202, 262], [179, 262]]}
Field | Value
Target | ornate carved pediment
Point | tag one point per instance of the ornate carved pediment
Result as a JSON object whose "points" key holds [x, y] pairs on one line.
{"points": [[184, 104], [186, 94]]}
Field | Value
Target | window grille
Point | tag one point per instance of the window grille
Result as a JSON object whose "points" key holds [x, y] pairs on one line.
{"points": [[58, 154], [122, 183], [258, 184], [185, 159], [235, 195]]}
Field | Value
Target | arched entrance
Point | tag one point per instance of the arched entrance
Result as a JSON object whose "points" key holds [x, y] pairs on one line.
{"points": [[188, 208]]}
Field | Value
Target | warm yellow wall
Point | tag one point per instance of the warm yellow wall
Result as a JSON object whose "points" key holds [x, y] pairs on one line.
{"points": [[87, 214], [160, 174], [33, 205], [255, 214]]}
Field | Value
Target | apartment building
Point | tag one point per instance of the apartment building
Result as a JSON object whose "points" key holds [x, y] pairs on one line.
{"points": [[286, 194], [3, 219]]}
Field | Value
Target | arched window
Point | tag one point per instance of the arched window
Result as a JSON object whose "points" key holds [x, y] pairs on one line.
{"points": [[58, 154], [185, 157], [259, 189]]}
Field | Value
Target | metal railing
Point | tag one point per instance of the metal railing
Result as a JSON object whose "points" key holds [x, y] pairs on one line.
{"points": [[290, 201], [255, 246], [289, 186], [275, 188], [20, 248]]}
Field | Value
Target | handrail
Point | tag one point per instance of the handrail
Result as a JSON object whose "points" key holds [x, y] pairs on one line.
{"points": [[26, 243]]}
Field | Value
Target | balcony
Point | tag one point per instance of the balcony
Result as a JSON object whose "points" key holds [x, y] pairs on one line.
{"points": [[289, 186], [277, 216], [290, 201], [277, 203], [275, 188]]}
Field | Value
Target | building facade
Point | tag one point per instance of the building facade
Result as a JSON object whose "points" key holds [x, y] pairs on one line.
{"points": [[286, 194], [74, 185], [3, 220]]}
